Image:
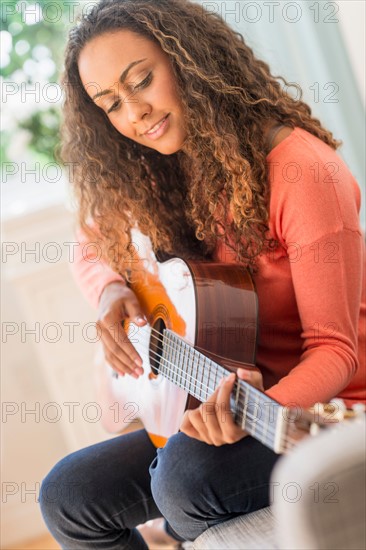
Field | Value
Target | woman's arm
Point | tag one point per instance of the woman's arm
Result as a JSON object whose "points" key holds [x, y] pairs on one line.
{"points": [[316, 214], [91, 273], [328, 295]]}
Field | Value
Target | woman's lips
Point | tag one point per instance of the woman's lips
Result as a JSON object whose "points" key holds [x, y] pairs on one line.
{"points": [[162, 127]]}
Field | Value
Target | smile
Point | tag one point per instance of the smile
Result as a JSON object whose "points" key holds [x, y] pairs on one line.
{"points": [[159, 128]]}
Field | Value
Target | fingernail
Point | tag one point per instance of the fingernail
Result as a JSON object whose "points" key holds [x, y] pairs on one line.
{"points": [[246, 373], [138, 362], [230, 378], [139, 370], [140, 319]]}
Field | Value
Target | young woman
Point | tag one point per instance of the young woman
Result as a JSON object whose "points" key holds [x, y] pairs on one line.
{"points": [[173, 124]]}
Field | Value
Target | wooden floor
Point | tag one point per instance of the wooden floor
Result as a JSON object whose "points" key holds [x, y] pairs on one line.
{"points": [[48, 543], [45, 543]]}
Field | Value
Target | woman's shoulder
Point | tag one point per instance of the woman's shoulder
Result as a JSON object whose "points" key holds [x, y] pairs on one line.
{"points": [[312, 185], [298, 141], [302, 156]]}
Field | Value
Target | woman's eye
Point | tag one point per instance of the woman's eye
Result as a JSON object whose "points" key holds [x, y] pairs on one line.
{"points": [[114, 106], [145, 82], [142, 84]]}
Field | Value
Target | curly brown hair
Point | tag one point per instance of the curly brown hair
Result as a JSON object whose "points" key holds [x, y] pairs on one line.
{"points": [[228, 95]]}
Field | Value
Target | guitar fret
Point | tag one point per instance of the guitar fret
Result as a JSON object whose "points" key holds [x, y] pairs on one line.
{"points": [[164, 357], [255, 415], [189, 366], [198, 367], [193, 364], [260, 428], [175, 361], [212, 377], [179, 352], [180, 361], [183, 365], [209, 378], [251, 411], [191, 379], [178, 347], [246, 396], [202, 397], [186, 366], [172, 351], [237, 396], [203, 370], [194, 378], [187, 385], [215, 381], [199, 375], [203, 377], [196, 383], [265, 428]]}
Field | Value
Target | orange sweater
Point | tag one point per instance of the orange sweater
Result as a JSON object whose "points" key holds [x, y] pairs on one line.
{"points": [[312, 303]]}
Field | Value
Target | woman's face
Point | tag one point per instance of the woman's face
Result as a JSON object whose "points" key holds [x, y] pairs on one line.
{"points": [[131, 79]]}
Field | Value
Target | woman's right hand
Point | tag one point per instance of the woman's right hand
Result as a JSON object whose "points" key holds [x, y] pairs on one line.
{"points": [[119, 302]]}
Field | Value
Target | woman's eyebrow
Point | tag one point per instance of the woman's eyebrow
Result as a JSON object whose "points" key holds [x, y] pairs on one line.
{"points": [[122, 78]]}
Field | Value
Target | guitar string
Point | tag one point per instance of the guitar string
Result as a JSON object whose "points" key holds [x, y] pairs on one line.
{"points": [[260, 431], [191, 353], [266, 429], [178, 370], [207, 371]]}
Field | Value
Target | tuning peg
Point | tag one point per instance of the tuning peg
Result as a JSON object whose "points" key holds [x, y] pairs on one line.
{"points": [[339, 403]]}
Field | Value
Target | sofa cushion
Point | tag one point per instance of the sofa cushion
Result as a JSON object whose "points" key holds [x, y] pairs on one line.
{"points": [[254, 531]]}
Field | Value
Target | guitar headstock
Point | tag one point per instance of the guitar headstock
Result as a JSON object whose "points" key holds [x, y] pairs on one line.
{"points": [[304, 422]]}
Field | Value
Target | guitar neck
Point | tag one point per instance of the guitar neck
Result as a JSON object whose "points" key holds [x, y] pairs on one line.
{"points": [[256, 413]]}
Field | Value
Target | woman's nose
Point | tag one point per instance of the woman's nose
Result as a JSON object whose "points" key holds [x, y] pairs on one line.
{"points": [[136, 110]]}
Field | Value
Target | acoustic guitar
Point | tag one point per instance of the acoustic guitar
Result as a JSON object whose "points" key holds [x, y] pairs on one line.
{"points": [[202, 322]]}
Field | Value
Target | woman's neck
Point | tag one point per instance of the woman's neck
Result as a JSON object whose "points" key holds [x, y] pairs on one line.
{"points": [[274, 133]]}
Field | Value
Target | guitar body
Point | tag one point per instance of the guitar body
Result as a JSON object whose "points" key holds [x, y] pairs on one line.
{"points": [[202, 322], [211, 306]]}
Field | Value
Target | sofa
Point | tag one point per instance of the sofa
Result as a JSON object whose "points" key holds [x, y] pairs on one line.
{"points": [[317, 499]]}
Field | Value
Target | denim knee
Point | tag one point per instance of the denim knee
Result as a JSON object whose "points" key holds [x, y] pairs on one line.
{"points": [[53, 498], [196, 485], [64, 501], [177, 487]]}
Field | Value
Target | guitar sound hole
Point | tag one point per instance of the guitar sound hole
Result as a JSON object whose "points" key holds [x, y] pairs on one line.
{"points": [[156, 347]]}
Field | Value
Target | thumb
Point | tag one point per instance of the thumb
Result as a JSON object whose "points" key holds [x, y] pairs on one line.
{"points": [[253, 377]]}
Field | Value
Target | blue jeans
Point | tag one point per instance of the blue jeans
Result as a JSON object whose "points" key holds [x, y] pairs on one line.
{"points": [[95, 497]]}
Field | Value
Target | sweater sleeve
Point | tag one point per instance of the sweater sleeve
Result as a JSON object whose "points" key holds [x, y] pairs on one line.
{"points": [[90, 272], [328, 298], [319, 223]]}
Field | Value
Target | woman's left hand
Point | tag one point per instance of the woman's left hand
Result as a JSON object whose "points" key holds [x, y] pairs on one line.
{"points": [[212, 422]]}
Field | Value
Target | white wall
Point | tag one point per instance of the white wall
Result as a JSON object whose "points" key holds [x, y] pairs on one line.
{"points": [[43, 368], [352, 19]]}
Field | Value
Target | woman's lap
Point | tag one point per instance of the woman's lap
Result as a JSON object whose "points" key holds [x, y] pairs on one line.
{"points": [[95, 497], [215, 483]]}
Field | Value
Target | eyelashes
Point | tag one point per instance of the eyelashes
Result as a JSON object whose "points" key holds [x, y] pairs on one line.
{"points": [[142, 85]]}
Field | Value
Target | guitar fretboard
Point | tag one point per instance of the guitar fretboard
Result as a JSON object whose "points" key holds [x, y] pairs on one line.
{"points": [[199, 375]]}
